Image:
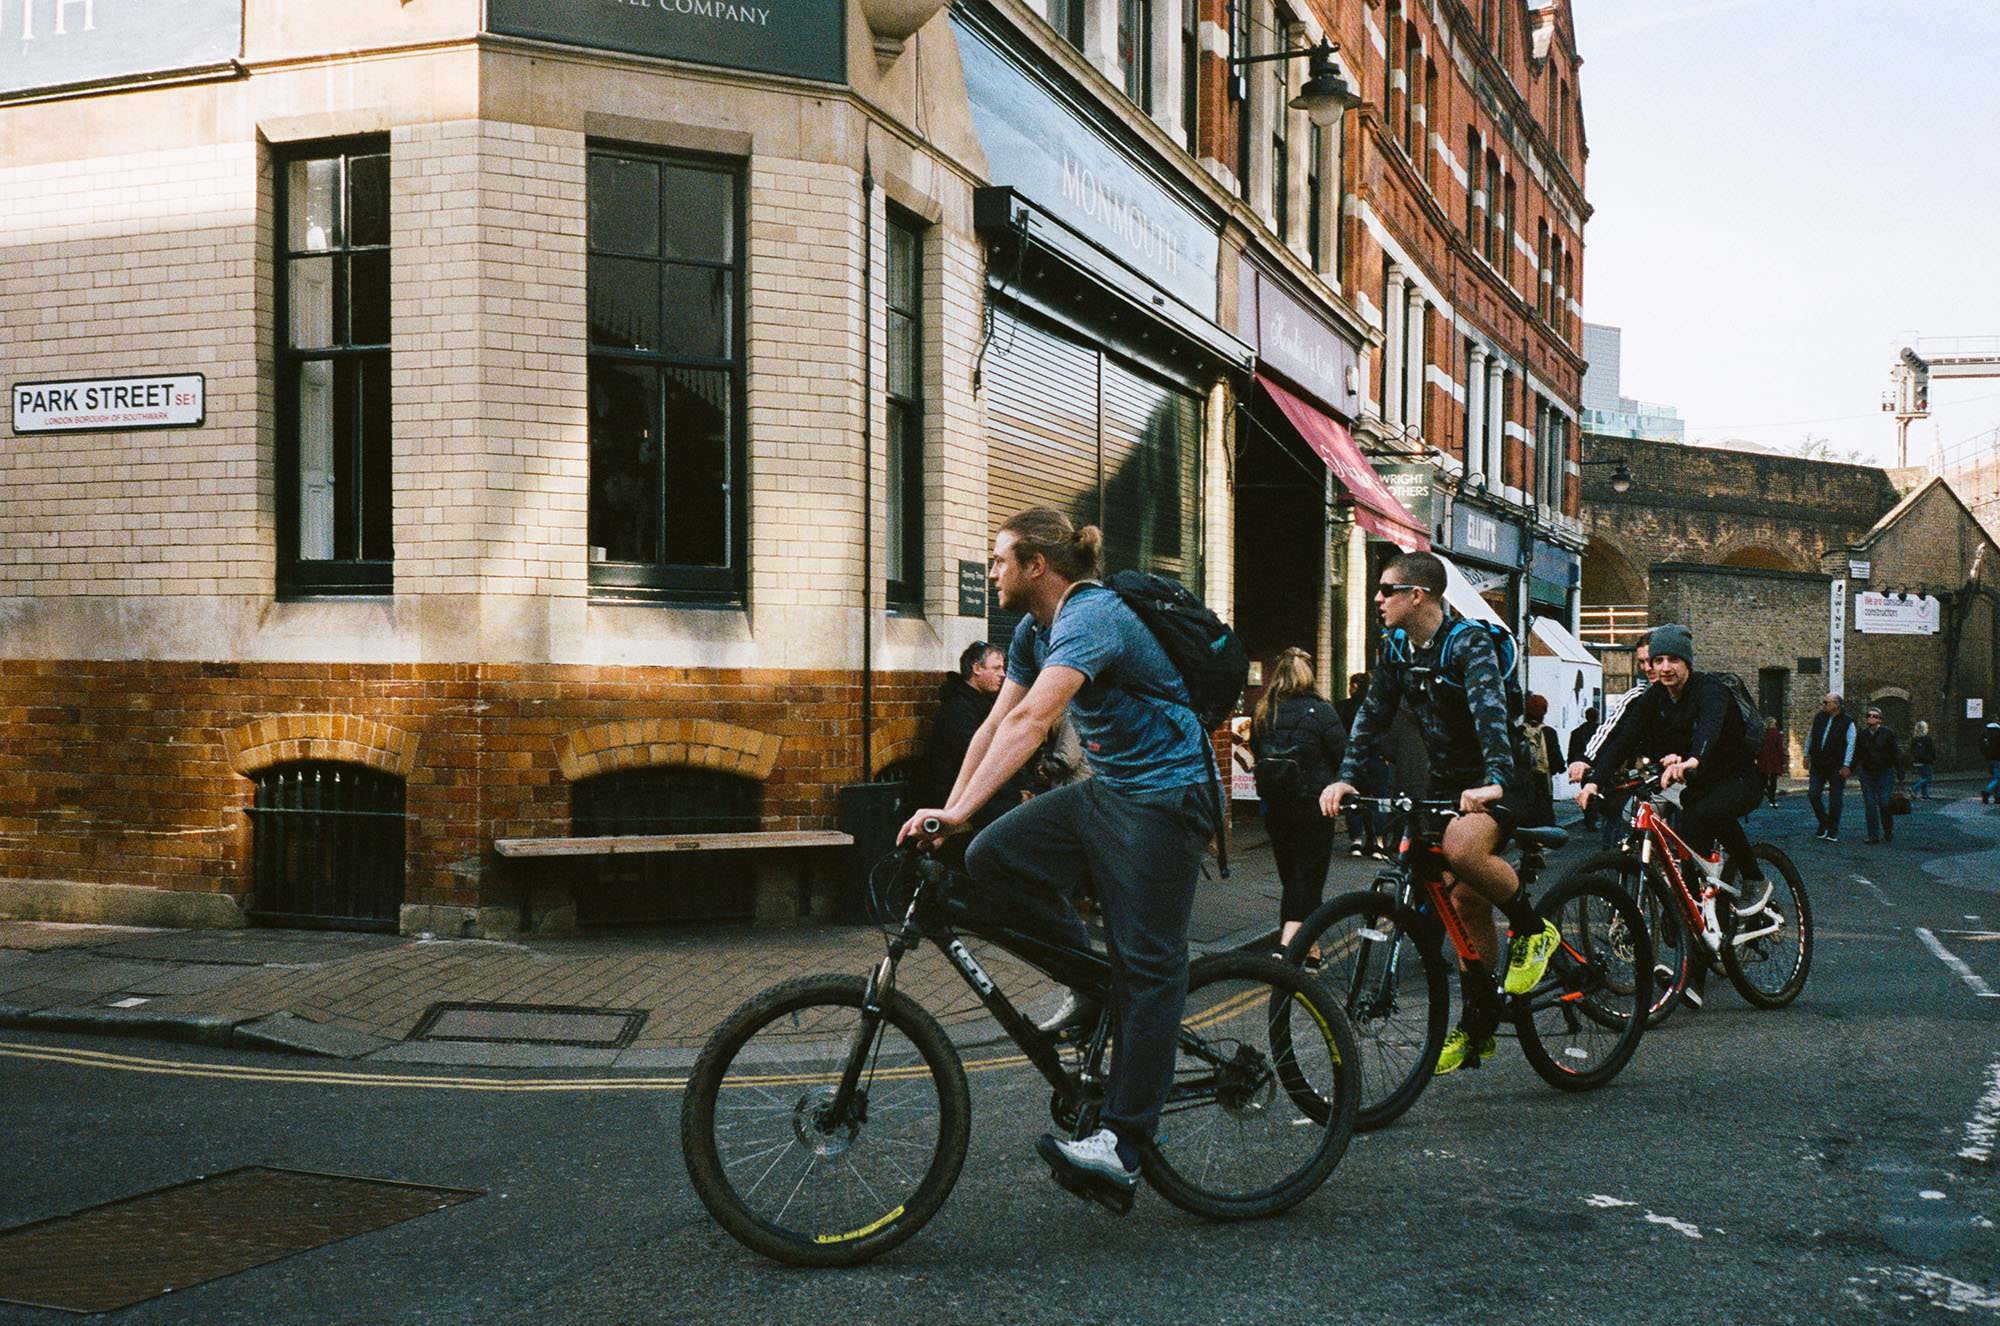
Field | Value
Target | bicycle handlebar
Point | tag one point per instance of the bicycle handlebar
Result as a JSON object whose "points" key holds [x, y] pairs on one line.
{"points": [[1405, 802]]}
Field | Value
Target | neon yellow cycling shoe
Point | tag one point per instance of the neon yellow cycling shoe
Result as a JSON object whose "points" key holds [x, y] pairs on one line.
{"points": [[1457, 1051], [1528, 957]]}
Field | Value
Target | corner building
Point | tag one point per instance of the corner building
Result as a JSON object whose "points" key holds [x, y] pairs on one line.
{"points": [[435, 423]]}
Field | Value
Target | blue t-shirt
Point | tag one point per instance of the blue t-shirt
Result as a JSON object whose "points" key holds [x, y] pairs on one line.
{"points": [[1137, 740]]}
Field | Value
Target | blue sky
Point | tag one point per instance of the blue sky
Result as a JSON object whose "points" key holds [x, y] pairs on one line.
{"points": [[1783, 189]]}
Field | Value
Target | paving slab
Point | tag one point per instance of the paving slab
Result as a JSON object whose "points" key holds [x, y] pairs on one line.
{"points": [[284, 1031]]}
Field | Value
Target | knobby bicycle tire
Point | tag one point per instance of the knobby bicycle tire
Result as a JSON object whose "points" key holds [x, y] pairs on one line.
{"points": [[1768, 955], [1262, 1104], [793, 1185], [1385, 965], [1580, 1025], [1660, 909]]}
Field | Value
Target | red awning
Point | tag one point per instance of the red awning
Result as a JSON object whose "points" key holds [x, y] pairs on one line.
{"points": [[1375, 507]]}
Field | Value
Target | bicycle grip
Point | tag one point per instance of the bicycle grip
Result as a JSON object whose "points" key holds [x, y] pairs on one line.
{"points": [[930, 824]]}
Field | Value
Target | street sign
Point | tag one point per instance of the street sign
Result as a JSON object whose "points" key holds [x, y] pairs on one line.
{"points": [[103, 405]]}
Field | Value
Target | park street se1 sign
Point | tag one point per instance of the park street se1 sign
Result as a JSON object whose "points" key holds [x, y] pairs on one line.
{"points": [[103, 405]]}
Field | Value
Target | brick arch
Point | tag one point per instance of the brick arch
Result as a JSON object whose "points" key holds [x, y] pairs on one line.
{"points": [[900, 740], [1610, 576], [695, 743], [1762, 557], [287, 738]]}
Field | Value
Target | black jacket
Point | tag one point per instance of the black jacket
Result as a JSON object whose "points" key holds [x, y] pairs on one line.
{"points": [[1702, 724], [962, 707], [1309, 725], [1876, 751], [1828, 744]]}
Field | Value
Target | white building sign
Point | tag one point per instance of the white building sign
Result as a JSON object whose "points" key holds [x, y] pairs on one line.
{"points": [[1836, 639], [1895, 614], [102, 405]]}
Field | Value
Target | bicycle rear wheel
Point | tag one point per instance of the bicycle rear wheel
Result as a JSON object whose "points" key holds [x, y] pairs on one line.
{"points": [[1767, 949], [1262, 1105], [1580, 1026], [1384, 964], [772, 1163], [1644, 883]]}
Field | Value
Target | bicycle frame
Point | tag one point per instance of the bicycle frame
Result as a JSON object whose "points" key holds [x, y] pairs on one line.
{"points": [[1654, 832]]}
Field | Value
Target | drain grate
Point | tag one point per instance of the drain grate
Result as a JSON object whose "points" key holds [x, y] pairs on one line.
{"points": [[136, 1248], [530, 1024]]}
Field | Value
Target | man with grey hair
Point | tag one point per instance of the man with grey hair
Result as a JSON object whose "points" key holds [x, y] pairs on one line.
{"points": [[1829, 760]]}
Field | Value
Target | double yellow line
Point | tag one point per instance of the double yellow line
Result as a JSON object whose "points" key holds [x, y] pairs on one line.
{"points": [[131, 1063]]}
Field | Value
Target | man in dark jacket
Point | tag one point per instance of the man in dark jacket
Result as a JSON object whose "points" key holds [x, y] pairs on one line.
{"points": [[1829, 759], [1579, 742], [1689, 721], [965, 698], [1879, 763]]}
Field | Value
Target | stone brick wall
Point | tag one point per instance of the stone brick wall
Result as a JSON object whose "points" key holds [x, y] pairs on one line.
{"points": [[136, 773]]}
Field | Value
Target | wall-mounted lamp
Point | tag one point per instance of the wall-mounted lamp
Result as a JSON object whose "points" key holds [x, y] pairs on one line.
{"points": [[1327, 95], [1621, 478]]}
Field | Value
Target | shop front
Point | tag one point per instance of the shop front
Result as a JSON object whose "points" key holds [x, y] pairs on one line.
{"points": [[1487, 546], [1101, 355]]}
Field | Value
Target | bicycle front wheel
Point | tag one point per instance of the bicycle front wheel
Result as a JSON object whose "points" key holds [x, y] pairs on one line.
{"points": [[787, 1172], [1262, 1104], [1644, 884], [1385, 967], [1767, 945], [1580, 1026]]}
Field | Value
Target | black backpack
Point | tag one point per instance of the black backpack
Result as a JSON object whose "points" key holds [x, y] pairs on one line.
{"points": [[1207, 654], [1282, 767], [1746, 709]]}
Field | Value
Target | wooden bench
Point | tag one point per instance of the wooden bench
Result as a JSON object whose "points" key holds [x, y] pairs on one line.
{"points": [[516, 849]]}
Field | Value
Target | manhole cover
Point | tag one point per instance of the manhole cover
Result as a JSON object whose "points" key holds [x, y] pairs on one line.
{"points": [[136, 1248], [530, 1024]]}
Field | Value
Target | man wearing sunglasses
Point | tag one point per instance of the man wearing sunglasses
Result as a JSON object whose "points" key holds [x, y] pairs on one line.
{"points": [[1451, 680]]}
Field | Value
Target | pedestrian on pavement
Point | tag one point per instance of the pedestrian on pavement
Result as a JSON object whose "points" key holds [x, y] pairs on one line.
{"points": [[1138, 828], [965, 698], [1923, 759], [1579, 743], [1298, 741], [1829, 759], [1880, 764], [1771, 759], [1364, 825], [1989, 746], [1538, 806]]}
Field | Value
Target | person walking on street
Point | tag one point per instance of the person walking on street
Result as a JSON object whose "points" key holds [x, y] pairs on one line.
{"points": [[1829, 759], [1989, 746], [1579, 742], [1137, 830], [1364, 824], [1771, 759], [1923, 759], [1879, 763], [1298, 741], [1538, 806]]}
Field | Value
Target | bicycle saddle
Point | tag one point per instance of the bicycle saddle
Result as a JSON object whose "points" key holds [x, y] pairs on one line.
{"points": [[1548, 837]]}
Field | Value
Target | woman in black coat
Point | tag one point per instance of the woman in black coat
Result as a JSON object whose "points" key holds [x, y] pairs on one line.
{"points": [[1297, 740]]}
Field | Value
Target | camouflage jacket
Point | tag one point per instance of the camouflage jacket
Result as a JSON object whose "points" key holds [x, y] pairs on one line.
{"points": [[1458, 698]]}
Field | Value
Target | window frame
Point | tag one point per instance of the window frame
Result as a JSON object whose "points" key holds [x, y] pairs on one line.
{"points": [[905, 583], [672, 582], [298, 576]]}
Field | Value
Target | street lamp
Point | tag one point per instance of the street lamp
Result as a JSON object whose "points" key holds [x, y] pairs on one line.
{"points": [[1621, 478], [1327, 95]]}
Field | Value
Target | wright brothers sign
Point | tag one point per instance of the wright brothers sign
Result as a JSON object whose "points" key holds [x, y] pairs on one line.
{"points": [[806, 38]]}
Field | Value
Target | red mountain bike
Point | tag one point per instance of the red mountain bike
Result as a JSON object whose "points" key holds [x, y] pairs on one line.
{"points": [[1696, 912]]}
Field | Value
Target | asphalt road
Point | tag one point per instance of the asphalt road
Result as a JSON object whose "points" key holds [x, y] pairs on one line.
{"points": [[1831, 1162]]}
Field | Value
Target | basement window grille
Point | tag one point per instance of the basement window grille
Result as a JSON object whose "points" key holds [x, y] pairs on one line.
{"points": [[670, 887], [327, 846]]}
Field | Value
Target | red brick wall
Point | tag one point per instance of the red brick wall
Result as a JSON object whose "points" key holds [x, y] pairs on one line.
{"points": [[116, 772]]}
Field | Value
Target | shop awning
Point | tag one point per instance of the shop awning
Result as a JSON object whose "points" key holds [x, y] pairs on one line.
{"points": [[1464, 597], [1552, 637], [1375, 507]]}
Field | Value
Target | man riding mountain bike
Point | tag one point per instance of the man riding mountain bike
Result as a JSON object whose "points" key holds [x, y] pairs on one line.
{"points": [[1690, 722], [1136, 830], [1451, 679]]}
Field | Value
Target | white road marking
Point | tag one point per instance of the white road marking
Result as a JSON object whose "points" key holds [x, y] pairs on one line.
{"points": [[1953, 961], [1942, 1290], [1985, 1120], [1680, 1226], [1600, 1200], [1869, 884]]}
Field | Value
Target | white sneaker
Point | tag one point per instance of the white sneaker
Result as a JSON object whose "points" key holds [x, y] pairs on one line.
{"points": [[1752, 908], [1090, 1167]]}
